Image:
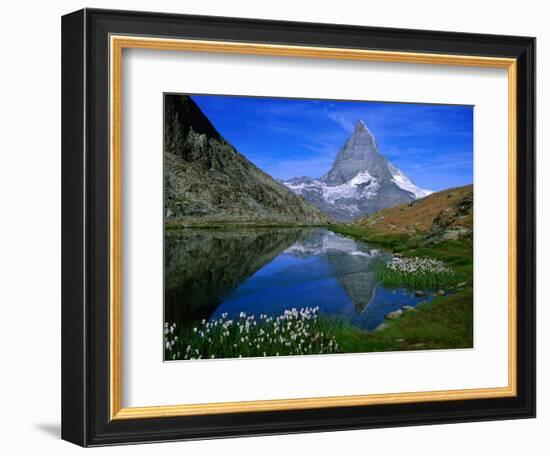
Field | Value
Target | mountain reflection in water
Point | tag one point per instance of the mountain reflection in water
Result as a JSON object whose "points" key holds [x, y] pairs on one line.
{"points": [[209, 272]]}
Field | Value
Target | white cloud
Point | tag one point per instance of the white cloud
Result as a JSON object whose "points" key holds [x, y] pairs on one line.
{"points": [[341, 120]]}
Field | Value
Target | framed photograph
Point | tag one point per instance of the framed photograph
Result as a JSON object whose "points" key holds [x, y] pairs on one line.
{"points": [[279, 227]]}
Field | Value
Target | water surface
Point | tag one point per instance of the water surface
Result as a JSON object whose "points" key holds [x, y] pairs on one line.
{"points": [[210, 272]]}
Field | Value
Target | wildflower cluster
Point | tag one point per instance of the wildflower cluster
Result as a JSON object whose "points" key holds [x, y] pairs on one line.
{"points": [[169, 338], [418, 265], [294, 332], [418, 272]]}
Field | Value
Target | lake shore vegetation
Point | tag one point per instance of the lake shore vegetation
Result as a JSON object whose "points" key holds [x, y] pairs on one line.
{"points": [[294, 332]]}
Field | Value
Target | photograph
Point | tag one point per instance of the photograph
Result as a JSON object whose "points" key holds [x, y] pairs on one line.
{"points": [[316, 227]]}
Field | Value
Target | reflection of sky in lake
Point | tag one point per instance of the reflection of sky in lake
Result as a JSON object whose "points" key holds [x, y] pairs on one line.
{"points": [[325, 270]]}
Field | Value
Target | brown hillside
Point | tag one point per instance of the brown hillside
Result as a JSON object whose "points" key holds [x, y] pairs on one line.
{"points": [[448, 214]]}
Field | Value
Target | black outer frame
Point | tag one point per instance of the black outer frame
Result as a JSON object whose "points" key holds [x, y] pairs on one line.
{"points": [[85, 227]]}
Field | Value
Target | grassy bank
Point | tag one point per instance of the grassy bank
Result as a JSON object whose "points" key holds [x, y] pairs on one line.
{"points": [[457, 254], [445, 322]]}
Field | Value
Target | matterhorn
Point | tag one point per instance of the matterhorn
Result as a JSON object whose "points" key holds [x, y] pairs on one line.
{"points": [[360, 182]]}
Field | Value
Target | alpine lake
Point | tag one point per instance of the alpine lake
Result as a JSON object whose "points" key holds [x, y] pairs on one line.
{"points": [[227, 274]]}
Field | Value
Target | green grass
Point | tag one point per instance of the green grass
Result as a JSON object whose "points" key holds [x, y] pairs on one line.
{"points": [[443, 323]]}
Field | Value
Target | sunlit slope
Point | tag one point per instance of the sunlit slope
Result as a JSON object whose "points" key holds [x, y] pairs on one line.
{"points": [[445, 215]]}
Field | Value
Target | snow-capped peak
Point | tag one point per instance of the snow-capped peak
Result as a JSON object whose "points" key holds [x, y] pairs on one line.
{"points": [[360, 125], [360, 181]]}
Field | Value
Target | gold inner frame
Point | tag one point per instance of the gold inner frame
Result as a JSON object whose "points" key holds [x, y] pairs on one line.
{"points": [[117, 44]]}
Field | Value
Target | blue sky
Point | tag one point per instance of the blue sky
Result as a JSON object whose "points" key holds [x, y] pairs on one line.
{"points": [[433, 144]]}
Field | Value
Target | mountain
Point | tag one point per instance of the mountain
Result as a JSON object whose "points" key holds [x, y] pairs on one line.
{"points": [[360, 182], [206, 180], [444, 215]]}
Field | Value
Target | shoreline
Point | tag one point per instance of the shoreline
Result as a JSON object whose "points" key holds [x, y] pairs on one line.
{"points": [[236, 226]]}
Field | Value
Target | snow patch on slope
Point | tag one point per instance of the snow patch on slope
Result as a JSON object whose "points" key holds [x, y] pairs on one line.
{"points": [[403, 182], [363, 185]]}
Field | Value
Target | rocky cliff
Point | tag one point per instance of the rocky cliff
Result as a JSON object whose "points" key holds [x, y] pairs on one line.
{"points": [[206, 180]]}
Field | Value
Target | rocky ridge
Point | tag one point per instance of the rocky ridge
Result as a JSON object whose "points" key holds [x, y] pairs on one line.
{"points": [[206, 180]]}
